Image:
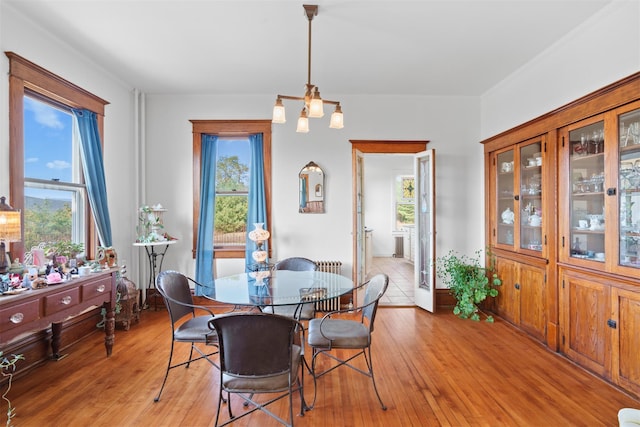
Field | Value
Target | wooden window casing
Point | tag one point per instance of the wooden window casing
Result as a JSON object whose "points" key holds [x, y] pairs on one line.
{"points": [[25, 76], [229, 128]]}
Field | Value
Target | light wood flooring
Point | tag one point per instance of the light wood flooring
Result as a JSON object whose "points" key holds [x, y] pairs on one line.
{"points": [[432, 370], [401, 280]]}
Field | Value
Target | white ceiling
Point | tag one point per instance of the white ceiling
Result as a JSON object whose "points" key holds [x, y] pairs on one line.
{"points": [[423, 47]]}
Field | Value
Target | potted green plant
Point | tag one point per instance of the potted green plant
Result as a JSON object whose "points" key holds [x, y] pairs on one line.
{"points": [[469, 282], [63, 248]]}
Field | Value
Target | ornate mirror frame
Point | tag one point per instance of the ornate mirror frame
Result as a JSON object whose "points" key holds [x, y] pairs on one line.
{"points": [[311, 189]]}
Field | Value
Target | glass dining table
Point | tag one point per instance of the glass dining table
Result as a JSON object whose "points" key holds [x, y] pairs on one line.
{"points": [[278, 288]]}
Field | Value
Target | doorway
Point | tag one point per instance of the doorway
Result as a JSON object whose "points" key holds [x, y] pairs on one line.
{"points": [[389, 217], [359, 149]]}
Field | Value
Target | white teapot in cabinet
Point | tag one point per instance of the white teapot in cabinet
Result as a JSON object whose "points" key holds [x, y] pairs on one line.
{"points": [[535, 220], [508, 216]]}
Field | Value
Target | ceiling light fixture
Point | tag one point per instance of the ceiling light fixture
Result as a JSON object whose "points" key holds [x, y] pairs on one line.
{"points": [[313, 103]]}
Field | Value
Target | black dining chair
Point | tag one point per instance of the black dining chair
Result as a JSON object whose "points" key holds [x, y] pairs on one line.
{"points": [[186, 325], [258, 355], [306, 311], [335, 332]]}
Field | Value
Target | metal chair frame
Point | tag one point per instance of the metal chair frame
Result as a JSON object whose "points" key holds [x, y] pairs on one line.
{"points": [[374, 290], [243, 339], [298, 311], [178, 308]]}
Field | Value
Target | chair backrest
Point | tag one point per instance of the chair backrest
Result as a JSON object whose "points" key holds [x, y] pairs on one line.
{"points": [[296, 264], [174, 288], [254, 344], [375, 289]]}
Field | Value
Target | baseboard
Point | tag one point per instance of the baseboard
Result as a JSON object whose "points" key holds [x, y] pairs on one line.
{"points": [[444, 298]]}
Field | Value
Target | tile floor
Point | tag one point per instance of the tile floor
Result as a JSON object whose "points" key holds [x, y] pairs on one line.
{"points": [[400, 272]]}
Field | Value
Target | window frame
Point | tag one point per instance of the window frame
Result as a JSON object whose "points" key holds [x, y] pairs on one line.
{"points": [[228, 128], [27, 77]]}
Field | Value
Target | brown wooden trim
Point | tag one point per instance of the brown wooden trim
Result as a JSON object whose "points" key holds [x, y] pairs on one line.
{"points": [[444, 299], [388, 146], [374, 146], [53, 86], [228, 128], [25, 76]]}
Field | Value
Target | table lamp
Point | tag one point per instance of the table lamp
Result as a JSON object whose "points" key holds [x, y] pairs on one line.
{"points": [[259, 235], [10, 231]]}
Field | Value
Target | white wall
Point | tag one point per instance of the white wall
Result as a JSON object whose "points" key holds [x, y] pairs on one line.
{"points": [[19, 35], [603, 50], [450, 123], [380, 171]]}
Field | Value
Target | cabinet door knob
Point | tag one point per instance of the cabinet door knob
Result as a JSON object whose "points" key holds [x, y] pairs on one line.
{"points": [[517, 286], [516, 197], [611, 191]]}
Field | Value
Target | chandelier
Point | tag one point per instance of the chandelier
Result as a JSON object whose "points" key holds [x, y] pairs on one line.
{"points": [[313, 103]]}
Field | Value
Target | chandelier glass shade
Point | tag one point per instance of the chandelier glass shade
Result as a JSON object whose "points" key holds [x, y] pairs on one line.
{"points": [[313, 102]]}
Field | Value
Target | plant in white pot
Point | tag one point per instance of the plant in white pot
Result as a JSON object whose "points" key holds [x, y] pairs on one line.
{"points": [[469, 282]]}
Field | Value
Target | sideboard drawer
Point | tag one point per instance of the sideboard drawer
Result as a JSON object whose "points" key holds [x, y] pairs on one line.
{"points": [[96, 289], [61, 301], [18, 315]]}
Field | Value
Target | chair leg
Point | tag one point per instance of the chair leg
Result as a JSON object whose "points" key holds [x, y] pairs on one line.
{"points": [[369, 361], [312, 371], [166, 374], [190, 355], [220, 400], [369, 373]]}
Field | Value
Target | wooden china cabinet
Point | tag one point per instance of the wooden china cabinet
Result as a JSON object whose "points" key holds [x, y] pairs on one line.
{"points": [[563, 203], [518, 231]]}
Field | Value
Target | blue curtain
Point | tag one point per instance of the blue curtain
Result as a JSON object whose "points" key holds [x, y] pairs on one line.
{"points": [[204, 244], [257, 210], [93, 167]]}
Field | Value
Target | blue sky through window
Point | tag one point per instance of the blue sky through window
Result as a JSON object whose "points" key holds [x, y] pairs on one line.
{"points": [[48, 134]]}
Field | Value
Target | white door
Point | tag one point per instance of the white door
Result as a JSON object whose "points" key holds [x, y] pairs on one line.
{"points": [[424, 245]]}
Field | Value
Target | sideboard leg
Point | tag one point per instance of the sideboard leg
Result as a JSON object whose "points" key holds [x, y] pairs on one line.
{"points": [[56, 331]]}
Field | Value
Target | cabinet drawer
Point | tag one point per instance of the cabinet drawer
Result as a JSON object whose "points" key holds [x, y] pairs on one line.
{"points": [[61, 301], [96, 289], [19, 314]]}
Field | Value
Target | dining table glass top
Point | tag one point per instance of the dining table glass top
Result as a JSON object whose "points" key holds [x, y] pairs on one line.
{"points": [[279, 287]]}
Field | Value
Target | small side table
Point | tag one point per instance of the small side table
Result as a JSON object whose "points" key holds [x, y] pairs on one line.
{"points": [[155, 266]]}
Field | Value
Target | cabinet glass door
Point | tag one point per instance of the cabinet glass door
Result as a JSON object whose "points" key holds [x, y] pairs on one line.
{"points": [[586, 175], [629, 185], [505, 196], [531, 196]]}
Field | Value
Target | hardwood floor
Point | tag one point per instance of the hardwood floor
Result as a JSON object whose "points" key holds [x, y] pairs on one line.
{"points": [[432, 370]]}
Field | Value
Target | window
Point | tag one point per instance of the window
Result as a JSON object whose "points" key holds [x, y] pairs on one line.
{"points": [[232, 174], [56, 189], [232, 192], [404, 200]]}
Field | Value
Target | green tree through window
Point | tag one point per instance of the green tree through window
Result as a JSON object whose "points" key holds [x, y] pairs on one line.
{"points": [[232, 191]]}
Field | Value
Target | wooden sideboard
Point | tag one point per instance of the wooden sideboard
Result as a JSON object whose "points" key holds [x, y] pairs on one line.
{"points": [[37, 309]]}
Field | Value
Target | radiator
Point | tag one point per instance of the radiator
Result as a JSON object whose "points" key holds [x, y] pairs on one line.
{"points": [[329, 267]]}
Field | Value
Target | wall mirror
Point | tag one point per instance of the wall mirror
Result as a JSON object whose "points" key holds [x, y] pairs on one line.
{"points": [[311, 180]]}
